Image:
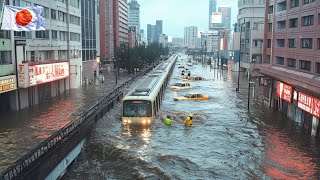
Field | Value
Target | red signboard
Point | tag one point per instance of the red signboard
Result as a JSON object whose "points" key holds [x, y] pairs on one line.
{"points": [[309, 104], [284, 91]]}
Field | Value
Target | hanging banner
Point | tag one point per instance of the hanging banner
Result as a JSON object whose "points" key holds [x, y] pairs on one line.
{"points": [[309, 104], [284, 91], [42, 73]]}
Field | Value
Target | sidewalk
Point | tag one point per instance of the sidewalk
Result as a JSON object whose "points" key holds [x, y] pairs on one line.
{"points": [[21, 131]]}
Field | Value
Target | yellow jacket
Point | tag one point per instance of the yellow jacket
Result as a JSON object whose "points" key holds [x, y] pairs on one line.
{"points": [[188, 122]]}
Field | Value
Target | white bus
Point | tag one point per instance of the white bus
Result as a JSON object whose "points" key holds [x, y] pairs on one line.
{"points": [[142, 103]]}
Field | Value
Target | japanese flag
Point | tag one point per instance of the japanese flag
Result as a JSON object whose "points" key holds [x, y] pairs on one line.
{"points": [[22, 18]]}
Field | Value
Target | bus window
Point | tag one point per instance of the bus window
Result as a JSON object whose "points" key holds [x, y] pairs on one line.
{"points": [[137, 108], [154, 108]]}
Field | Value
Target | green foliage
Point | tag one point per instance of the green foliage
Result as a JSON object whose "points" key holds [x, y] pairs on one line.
{"points": [[138, 56]]}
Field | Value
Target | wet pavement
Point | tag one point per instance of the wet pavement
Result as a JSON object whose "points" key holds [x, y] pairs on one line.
{"points": [[225, 142], [22, 131]]}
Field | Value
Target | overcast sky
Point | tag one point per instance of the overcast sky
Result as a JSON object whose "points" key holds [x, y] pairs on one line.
{"points": [[177, 14]]}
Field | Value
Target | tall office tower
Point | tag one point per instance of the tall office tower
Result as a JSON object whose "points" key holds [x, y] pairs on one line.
{"points": [[120, 22], [190, 36], [106, 30], [158, 30], [212, 9]]}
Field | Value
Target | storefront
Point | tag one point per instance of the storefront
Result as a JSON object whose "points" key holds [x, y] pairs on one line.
{"points": [[40, 82], [7, 85], [296, 104]]}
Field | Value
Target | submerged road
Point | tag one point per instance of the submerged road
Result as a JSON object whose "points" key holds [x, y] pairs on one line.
{"points": [[22, 131], [225, 142]]}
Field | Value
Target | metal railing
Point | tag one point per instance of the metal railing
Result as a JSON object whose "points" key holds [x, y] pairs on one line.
{"points": [[26, 161]]}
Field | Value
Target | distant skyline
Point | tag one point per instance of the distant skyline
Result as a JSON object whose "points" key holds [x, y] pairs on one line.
{"points": [[177, 14]]}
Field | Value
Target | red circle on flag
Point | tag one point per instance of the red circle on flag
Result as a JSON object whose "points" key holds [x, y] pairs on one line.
{"points": [[23, 17]]}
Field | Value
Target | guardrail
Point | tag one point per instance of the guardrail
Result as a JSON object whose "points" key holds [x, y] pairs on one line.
{"points": [[26, 161]]}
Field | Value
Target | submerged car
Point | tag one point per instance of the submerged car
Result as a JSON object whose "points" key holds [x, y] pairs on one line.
{"points": [[193, 78], [181, 85], [192, 97]]}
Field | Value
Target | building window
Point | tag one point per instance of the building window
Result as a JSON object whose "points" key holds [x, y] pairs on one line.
{"points": [[54, 34], [318, 68], [282, 6], [45, 11], [74, 20], [281, 24], [74, 36], [293, 23], [292, 43], [5, 34], [280, 43], [269, 43], [307, 20], [270, 9], [269, 27], [5, 57], [42, 34], [308, 1], [62, 16], [294, 3], [21, 3], [53, 14], [62, 54], [74, 3], [305, 65], [63, 35], [279, 60], [291, 62], [318, 43], [306, 43], [23, 34]]}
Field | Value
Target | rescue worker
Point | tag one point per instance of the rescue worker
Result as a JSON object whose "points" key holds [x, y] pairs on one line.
{"points": [[188, 120], [168, 121]]}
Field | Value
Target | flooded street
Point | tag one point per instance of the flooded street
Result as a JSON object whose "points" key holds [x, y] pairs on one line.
{"points": [[22, 131], [225, 142]]}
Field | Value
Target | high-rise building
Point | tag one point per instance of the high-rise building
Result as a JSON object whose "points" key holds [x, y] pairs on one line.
{"points": [[106, 30], [134, 14], [158, 30], [190, 36], [153, 33], [251, 26], [120, 22], [209, 42], [212, 9], [291, 61], [142, 36], [90, 36], [226, 17], [148, 33]]}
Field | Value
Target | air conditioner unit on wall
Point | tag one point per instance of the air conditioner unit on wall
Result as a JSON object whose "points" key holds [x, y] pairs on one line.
{"points": [[269, 16]]}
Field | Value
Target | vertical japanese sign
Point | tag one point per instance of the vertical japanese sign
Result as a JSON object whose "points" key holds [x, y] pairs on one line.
{"points": [[23, 76], [309, 104], [284, 91]]}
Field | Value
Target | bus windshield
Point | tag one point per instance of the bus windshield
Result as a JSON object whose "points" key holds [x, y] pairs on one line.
{"points": [[137, 108]]}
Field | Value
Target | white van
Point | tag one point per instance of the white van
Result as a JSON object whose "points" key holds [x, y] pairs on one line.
{"points": [[181, 85]]}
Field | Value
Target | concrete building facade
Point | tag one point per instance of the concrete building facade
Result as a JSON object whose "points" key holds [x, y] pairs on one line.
{"points": [[90, 37], [134, 14], [120, 22], [209, 42], [190, 36], [251, 27], [106, 30], [291, 60], [41, 64]]}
